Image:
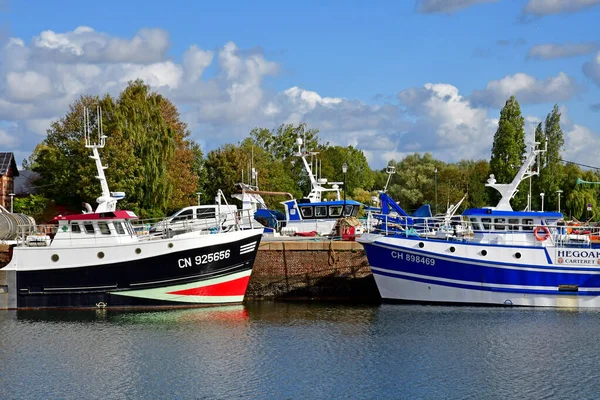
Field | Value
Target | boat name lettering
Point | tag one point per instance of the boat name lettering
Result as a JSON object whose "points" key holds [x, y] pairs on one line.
{"points": [[398, 255], [204, 258], [578, 254]]}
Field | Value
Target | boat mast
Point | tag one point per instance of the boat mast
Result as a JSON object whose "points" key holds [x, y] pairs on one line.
{"points": [[316, 184], [508, 190], [107, 201]]}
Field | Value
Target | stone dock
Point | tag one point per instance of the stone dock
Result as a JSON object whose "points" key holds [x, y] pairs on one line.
{"points": [[312, 269]]}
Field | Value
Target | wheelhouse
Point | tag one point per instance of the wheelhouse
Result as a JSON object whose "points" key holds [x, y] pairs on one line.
{"points": [[114, 226], [322, 210], [488, 219]]}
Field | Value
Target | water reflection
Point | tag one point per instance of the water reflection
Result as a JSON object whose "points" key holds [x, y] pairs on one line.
{"points": [[298, 350]]}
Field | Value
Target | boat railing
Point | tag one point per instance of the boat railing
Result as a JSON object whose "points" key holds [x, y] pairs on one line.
{"points": [[290, 228], [33, 235], [503, 233], [559, 233], [230, 220]]}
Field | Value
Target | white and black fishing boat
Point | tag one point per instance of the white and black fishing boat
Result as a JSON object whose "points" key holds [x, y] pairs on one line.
{"points": [[99, 259]]}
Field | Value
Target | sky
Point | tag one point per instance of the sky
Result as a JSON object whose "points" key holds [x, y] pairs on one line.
{"points": [[388, 77]]}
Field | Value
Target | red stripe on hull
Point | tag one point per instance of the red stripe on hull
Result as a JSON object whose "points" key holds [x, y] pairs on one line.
{"points": [[236, 287]]}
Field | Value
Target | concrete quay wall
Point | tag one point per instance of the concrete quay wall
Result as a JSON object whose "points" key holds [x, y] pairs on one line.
{"points": [[320, 270]]}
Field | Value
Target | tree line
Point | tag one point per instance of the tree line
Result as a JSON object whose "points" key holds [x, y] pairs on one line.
{"points": [[153, 159]]}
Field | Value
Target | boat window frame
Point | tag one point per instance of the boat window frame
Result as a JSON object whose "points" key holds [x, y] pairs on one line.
{"points": [[486, 223], [475, 224], [338, 207], [514, 224], [119, 227], [104, 228], [319, 214], [302, 208], [527, 224], [87, 225], [499, 224], [348, 207], [75, 227]]}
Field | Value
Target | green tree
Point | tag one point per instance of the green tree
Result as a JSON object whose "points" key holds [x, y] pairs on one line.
{"points": [[359, 175], [282, 146], [508, 149], [552, 172], [146, 146], [413, 184], [36, 206]]}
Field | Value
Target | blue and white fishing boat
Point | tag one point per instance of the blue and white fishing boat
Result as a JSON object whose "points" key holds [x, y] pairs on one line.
{"points": [[311, 215], [493, 256], [314, 213]]}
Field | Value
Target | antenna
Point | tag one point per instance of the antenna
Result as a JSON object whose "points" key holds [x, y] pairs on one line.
{"points": [[108, 200], [390, 170], [87, 131]]}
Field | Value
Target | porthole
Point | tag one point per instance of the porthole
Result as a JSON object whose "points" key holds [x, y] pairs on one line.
{"points": [[452, 249], [138, 250], [421, 244], [484, 252], [100, 254], [517, 255], [170, 245], [54, 257]]}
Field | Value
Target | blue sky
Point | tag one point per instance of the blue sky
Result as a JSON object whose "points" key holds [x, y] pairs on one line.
{"points": [[388, 77]]}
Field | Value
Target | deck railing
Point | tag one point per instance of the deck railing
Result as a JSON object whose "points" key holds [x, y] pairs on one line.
{"points": [[560, 233]]}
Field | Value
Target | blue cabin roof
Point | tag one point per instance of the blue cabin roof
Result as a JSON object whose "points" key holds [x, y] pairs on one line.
{"points": [[328, 203]]}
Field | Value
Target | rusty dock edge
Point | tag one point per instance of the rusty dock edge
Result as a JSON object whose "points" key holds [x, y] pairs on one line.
{"points": [[318, 270]]}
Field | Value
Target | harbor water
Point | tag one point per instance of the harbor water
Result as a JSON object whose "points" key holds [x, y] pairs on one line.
{"points": [[268, 350]]}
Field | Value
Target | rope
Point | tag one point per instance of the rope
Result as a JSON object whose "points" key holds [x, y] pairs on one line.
{"points": [[331, 255]]}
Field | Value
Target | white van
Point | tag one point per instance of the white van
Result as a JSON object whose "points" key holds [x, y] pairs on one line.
{"points": [[204, 217]]}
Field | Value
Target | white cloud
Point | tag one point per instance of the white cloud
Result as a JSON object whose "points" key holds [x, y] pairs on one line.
{"points": [[195, 61], [27, 86], [222, 106], [591, 69], [581, 145], [527, 89], [547, 7], [84, 44], [446, 123], [446, 6], [555, 50], [7, 140], [39, 125]]}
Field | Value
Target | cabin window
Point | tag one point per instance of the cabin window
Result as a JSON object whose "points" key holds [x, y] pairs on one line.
{"points": [[551, 221], [104, 229], [89, 227], [75, 228], [130, 228], [307, 212], [321, 211], [486, 223], [527, 224], [475, 224], [500, 224], [205, 213], [335, 211], [348, 210], [185, 215], [119, 228], [513, 224]]}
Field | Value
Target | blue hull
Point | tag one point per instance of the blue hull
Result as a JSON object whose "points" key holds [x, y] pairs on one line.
{"points": [[466, 277]]}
